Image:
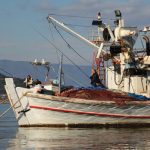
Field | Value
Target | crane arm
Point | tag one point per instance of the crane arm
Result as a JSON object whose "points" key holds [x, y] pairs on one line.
{"points": [[51, 19]]}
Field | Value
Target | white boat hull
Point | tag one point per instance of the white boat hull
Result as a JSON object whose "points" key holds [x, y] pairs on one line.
{"points": [[45, 110]]}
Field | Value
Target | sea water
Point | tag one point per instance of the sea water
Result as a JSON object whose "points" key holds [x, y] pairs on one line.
{"points": [[13, 137]]}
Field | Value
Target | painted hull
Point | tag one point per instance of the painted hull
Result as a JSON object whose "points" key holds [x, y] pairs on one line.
{"points": [[45, 110]]}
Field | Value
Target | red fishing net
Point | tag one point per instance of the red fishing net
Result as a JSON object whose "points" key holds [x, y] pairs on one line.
{"points": [[101, 95]]}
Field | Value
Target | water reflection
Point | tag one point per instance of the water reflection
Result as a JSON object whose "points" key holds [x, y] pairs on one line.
{"points": [[60, 138], [14, 138]]}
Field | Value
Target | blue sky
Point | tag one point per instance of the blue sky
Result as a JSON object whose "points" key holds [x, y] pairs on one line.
{"points": [[20, 18]]}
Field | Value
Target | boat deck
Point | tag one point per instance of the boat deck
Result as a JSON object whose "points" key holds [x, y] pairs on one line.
{"points": [[101, 94], [90, 96]]}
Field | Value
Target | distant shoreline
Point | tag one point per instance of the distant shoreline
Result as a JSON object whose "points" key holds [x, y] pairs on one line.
{"points": [[4, 101]]}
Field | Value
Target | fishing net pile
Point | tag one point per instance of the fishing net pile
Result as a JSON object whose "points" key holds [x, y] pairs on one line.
{"points": [[97, 94]]}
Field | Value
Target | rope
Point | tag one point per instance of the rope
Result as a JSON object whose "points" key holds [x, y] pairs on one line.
{"points": [[77, 82], [77, 25], [53, 40], [51, 32], [73, 16], [142, 46], [70, 45], [85, 17], [5, 112], [12, 106], [133, 60], [53, 69], [57, 49], [142, 42], [131, 84], [122, 78], [6, 72]]}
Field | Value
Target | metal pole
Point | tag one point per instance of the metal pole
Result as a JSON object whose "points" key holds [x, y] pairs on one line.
{"points": [[50, 19], [60, 73]]}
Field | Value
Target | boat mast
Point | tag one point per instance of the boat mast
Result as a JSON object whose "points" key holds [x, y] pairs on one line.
{"points": [[60, 73]]}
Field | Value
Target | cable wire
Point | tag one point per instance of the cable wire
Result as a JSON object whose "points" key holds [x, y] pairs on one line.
{"points": [[6, 72], [57, 49], [69, 46], [77, 25], [74, 16]]}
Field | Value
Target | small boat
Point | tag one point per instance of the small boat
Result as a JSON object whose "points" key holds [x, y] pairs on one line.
{"points": [[123, 103]]}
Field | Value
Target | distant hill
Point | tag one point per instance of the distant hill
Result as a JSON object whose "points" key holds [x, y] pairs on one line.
{"points": [[20, 69], [18, 82]]}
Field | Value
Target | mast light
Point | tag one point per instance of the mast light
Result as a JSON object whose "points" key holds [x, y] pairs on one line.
{"points": [[118, 13], [98, 22]]}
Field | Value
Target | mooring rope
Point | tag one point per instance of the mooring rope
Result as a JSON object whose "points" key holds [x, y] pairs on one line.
{"points": [[5, 112], [8, 73], [57, 49], [12, 106]]}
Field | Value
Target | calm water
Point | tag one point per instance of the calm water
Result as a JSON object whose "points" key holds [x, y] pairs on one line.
{"points": [[14, 138]]}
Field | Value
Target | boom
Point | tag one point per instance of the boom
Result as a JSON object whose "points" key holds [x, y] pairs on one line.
{"points": [[51, 19]]}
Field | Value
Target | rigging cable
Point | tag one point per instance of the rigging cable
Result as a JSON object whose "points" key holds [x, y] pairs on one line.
{"points": [[12, 106], [61, 52], [6, 72], [75, 81], [142, 46], [122, 78], [77, 25], [74, 16], [142, 42], [133, 60], [1, 115], [51, 32], [70, 45], [53, 40]]}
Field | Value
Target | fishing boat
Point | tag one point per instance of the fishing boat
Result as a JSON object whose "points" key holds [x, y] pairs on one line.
{"points": [[122, 101]]}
